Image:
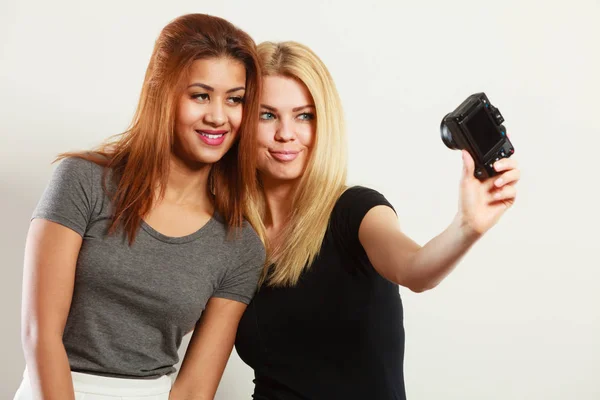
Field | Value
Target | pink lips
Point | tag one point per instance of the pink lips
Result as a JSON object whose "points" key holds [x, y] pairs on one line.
{"points": [[284, 156], [212, 137]]}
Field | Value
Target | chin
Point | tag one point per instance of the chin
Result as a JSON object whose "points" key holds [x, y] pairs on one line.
{"points": [[209, 158], [198, 158], [285, 175]]}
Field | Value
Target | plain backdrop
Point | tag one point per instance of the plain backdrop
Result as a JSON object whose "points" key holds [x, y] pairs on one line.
{"points": [[520, 317]]}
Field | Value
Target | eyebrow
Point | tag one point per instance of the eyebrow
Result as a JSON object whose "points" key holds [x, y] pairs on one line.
{"points": [[293, 110], [211, 89]]}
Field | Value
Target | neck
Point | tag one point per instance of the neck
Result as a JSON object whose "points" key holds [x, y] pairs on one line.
{"points": [[278, 202], [188, 184]]}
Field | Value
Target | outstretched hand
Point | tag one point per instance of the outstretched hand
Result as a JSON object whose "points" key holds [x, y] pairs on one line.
{"points": [[482, 203]]}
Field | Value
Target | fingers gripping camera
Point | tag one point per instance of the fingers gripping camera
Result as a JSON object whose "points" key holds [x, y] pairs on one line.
{"points": [[476, 126]]}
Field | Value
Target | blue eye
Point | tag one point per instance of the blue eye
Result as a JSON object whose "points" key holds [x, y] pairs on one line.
{"points": [[306, 116], [267, 115]]}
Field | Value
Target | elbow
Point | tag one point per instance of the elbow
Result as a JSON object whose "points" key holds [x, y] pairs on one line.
{"points": [[30, 339], [33, 338], [416, 281], [29, 335], [417, 288], [421, 286]]}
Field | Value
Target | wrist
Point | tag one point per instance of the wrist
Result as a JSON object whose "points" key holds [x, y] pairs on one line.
{"points": [[465, 230]]}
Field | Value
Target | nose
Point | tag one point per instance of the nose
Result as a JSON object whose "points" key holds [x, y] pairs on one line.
{"points": [[215, 115], [285, 131]]}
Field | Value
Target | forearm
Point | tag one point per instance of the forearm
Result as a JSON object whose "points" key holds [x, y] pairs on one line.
{"points": [[199, 378], [178, 392], [435, 260], [48, 368], [209, 349]]}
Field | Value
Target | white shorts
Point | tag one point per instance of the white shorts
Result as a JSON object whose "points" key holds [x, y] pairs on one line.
{"points": [[94, 387]]}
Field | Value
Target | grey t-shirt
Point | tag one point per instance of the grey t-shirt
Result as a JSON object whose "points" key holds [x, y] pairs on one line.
{"points": [[132, 304]]}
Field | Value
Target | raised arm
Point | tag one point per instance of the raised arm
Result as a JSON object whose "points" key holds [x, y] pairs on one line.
{"points": [[398, 258], [51, 253]]}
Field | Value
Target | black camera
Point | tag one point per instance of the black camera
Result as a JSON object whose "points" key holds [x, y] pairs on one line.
{"points": [[476, 126]]}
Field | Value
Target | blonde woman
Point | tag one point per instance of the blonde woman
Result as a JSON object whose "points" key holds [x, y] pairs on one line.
{"points": [[327, 320]]}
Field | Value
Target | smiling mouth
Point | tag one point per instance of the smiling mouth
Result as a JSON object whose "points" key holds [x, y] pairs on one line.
{"points": [[212, 138], [212, 134]]}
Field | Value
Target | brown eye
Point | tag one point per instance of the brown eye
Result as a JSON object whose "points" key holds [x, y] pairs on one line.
{"points": [[236, 99], [200, 96]]}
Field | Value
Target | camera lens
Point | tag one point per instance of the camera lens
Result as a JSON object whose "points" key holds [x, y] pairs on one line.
{"points": [[447, 135]]}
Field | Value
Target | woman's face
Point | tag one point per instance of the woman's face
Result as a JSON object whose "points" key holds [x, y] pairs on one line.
{"points": [[209, 111], [286, 128]]}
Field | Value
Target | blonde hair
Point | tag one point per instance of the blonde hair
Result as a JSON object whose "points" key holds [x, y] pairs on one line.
{"points": [[324, 178]]}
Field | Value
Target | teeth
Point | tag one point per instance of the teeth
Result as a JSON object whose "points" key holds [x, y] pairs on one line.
{"points": [[211, 136]]}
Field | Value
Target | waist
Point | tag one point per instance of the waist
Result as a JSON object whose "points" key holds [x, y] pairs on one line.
{"points": [[109, 386]]}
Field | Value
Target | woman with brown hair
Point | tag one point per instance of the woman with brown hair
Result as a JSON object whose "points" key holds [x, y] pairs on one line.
{"points": [[143, 240]]}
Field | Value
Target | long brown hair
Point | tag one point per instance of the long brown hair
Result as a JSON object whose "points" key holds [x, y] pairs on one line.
{"points": [[139, 157]]}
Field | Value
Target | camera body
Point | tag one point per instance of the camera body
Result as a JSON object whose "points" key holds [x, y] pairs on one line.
{"points": [[476, 126]]}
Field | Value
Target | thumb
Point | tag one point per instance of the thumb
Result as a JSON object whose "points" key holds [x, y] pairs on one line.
{"points": [[468, 165]]}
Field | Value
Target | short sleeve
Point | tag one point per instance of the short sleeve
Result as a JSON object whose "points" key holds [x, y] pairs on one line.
{"points": [[240, 283], [348, 213], [67, 199]]}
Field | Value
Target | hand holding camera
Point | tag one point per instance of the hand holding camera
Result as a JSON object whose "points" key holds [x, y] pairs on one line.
{"points": [[490, 174], [482, 203]]}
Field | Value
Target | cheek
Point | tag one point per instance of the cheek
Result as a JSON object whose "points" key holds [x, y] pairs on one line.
{"points": [[235, 117], [307, 135], [188, 113], [265, 134]]}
